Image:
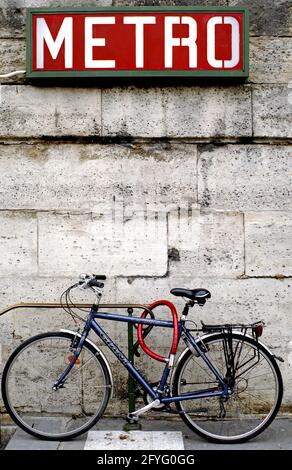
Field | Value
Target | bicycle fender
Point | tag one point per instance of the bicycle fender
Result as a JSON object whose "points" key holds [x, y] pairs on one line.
{"points": [[99, 352]]}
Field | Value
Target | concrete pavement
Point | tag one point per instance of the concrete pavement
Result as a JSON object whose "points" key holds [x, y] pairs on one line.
{"points": [[277, 437]]}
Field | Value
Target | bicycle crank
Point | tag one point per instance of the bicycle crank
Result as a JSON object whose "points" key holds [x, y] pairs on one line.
{"points": [[148, 399]]}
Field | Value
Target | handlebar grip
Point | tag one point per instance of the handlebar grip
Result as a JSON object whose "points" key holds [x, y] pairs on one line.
{"points": [[100, 277], [96, 284]]}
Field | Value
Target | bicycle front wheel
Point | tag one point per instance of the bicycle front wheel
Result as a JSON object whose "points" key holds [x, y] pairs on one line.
{"points": [[256, 392], [27, 387]]}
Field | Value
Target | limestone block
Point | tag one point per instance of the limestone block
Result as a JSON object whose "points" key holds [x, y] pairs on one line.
{"points": [[122, 3], [104, 178], [245, 177], [132, 111], [267, 17], [27, 111], [135, 245], [268, 240], [208, 112], [177, 112], [270, 59], [18, 243], [211, 245], [272, 115], [12, 57]]}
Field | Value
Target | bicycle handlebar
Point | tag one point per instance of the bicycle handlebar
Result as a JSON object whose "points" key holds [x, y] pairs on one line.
{"points": [[87, 280], [99, 277], [95, 283]]}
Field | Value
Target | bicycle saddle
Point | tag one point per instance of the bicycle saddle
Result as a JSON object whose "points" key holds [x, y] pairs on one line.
{"points": [[193, 294]]}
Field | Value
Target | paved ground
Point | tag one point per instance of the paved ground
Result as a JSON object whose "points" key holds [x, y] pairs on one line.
{"points": [[276, 437]]}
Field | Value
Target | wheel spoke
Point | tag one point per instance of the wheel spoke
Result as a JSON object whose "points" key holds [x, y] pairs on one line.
{"points": [[256, 392], [205, 370], [70, 410]]}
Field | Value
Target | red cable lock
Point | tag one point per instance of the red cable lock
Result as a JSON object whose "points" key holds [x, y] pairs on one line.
{"points": [[174, 345]]}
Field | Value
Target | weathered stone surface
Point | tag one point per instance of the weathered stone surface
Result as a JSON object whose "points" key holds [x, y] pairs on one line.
{"points": [[18, 243], [132, 112], [13, 15], [267, 17], [252, 177], [204, 112], [231, 299], [177, 112], [151, 3], [270, 59], [268, 241], [272, 115], [46, 289], [133, 245], [102, 178], [30, 111], [212, 244], [12, 57]]}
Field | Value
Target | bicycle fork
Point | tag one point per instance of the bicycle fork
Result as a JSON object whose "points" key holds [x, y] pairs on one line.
{"points": [[61, 380]]}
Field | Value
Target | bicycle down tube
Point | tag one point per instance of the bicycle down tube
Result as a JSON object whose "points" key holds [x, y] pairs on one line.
{"points": [[92, 324]]}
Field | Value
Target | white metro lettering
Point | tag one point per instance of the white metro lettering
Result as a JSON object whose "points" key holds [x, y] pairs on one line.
{"points": [[211, 42], [139, 22], [171, 42], [91, 42], [139, 33], [65, 35]]}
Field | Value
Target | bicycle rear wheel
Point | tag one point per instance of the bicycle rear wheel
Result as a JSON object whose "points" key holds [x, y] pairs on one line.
{"points": [[255, 399], [27, 382]]}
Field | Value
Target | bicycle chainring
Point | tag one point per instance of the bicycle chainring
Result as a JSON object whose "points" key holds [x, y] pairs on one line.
{"points": [[148, 399]]}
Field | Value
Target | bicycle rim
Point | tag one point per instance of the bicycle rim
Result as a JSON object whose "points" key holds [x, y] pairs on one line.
{"points": [[256, 396], [30, 399]]}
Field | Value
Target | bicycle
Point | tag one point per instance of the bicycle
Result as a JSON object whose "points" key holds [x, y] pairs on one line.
{"points": [[226, 385]]}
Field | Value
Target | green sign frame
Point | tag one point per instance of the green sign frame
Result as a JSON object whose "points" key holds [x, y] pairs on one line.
{"points": [[137, 73]]}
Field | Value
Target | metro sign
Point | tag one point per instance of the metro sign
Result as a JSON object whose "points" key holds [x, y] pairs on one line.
{"points": [[138, 41]]}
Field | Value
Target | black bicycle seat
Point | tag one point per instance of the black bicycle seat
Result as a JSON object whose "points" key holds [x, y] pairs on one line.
{"points": [[193, 294]]}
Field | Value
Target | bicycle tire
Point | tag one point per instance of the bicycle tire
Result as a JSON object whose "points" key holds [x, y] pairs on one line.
{"points": [[15, 416], [230, 439]]}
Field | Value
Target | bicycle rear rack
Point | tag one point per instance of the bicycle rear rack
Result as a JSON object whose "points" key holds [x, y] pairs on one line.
{"points": [[256, 328]]}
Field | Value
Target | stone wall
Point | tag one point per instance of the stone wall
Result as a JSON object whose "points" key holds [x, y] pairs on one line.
{"points": [[156, 186]]}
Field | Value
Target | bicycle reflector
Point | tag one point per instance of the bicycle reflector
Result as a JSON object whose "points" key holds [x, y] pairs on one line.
{"points": [[258, 329], [70, 358]]}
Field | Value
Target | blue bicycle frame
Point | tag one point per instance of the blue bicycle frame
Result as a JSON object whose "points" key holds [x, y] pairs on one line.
{"points": [[156, 393]]}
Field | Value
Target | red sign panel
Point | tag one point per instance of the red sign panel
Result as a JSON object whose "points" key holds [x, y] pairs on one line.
{"points": [[141, 41]]}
